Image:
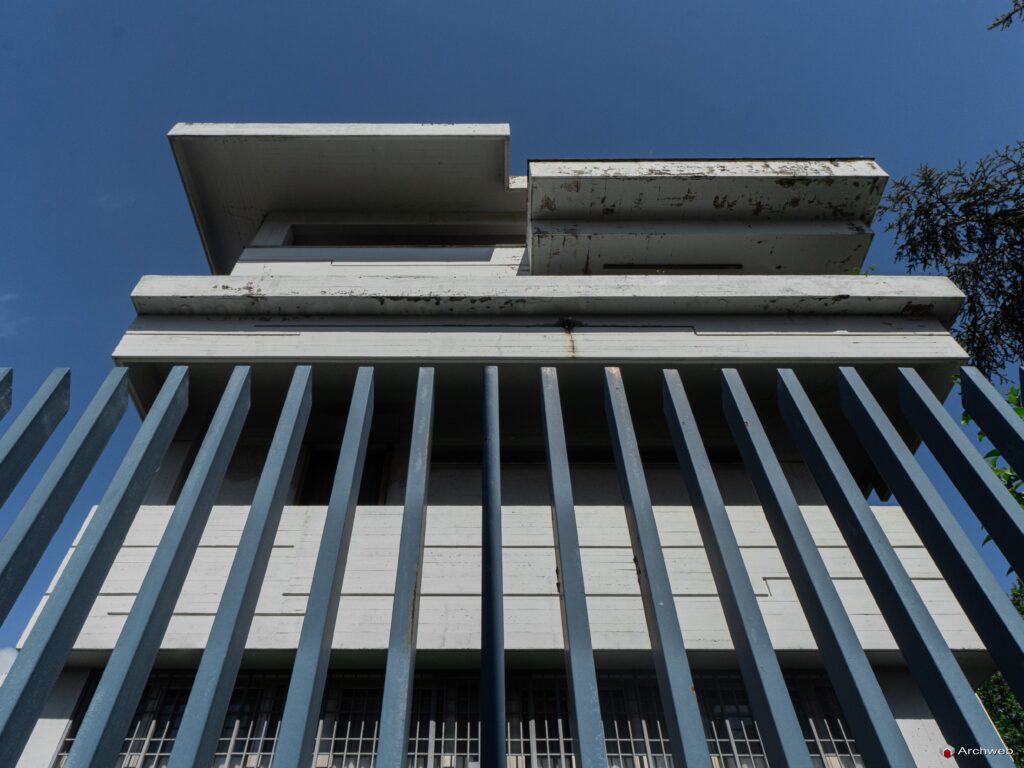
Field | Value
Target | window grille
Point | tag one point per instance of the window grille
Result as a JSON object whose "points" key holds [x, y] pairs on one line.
{"points": [[445, 728]]}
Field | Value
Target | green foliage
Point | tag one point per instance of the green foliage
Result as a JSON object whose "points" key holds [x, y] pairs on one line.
{"points": [[1012, 481], [968, 223], [1002, 706], [1005, 20]]}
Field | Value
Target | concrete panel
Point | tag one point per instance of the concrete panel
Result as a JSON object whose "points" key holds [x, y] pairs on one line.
{"points": [[53, 723]]}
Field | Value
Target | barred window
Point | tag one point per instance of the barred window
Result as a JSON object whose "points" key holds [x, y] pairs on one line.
{"points": [[445, 730]]}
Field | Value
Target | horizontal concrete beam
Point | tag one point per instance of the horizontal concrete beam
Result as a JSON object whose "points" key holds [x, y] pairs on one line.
{"points": [[327, 294], [200, 340], [751, 246], [801, 189]]}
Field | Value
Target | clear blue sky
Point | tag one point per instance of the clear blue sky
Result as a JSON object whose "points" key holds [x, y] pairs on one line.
{"points": [[90, 199]]}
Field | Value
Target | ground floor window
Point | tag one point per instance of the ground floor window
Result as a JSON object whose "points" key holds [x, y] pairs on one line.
{"points": [[445, 724]]}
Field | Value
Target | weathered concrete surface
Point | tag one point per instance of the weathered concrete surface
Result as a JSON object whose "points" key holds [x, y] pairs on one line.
{"points": [[330, 293]]}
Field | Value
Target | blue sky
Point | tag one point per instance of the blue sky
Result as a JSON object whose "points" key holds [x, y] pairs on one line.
{"points": [[90, 199]]}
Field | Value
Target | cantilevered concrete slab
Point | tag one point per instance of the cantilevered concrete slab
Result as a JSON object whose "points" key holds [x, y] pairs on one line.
{"points": [[235, 174], [801, 216], [555, 295]]}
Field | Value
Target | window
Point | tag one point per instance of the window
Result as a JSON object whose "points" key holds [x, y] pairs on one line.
{"points": [[445, 731]]}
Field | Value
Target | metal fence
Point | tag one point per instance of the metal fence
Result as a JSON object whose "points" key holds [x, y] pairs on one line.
{"points": [[100, 737]]}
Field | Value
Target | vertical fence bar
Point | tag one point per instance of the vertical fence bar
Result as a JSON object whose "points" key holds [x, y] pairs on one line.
{"points": [[988, 607], [769, 697], [396, 703], [30, 533], [113, 704], [675, 683], [295, 740], [1001, 515], [6, 390], [37, 666], [878, 736], [1003, 427], [584, 702], [207, 705], [27, 435], [950, 696], [492, 598]]}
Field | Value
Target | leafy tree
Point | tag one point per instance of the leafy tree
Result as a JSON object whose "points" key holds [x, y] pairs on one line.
{"points": [[1005, 20], [1000, 703], [1012, 481], [968, 223]]}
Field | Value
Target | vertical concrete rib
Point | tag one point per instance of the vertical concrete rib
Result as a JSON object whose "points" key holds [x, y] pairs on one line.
{"points": [[295, 741], [878, 736], [492, 610], [113, 705], [30, 533], [769, 697], [989, 608], [27, 435], [949, 695], [401, 664], [6, 390], [584, 702], [208, 702], [675, 683], [1003, 427], [28, 684], [997, 510]]}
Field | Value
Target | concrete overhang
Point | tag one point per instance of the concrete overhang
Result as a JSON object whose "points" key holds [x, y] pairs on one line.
{"points": [[761, 216], [236, 173], [565, 296]]}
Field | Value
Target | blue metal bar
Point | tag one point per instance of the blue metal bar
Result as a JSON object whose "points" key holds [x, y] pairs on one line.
{"points": [[32, 428], [983, 600], [949, 695], [584, 702], [769, 697], [31, 531], [1003, 427], [492, 610], [878, 736], [309, 674], [37, 666], [207, 704], [6, 390], [392, 746], [675, 683], [101, 735], [1001, 515]]}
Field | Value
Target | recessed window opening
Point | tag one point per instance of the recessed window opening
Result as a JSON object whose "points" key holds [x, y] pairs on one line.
{"points": [[398, 235], [445, 729], [669, 268]]}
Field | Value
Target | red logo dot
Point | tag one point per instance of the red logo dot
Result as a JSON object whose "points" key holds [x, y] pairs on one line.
{"points": [[947, 752]]}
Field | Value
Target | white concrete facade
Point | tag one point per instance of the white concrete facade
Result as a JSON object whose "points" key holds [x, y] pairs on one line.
{"points": [[450, 613]]}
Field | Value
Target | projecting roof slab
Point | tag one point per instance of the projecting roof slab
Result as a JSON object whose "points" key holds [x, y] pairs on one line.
{"points": [[235, 174], [761, 216], [719, 190]]}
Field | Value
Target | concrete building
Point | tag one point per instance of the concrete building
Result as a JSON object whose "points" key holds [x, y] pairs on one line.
{"points": [[538, 426]]}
